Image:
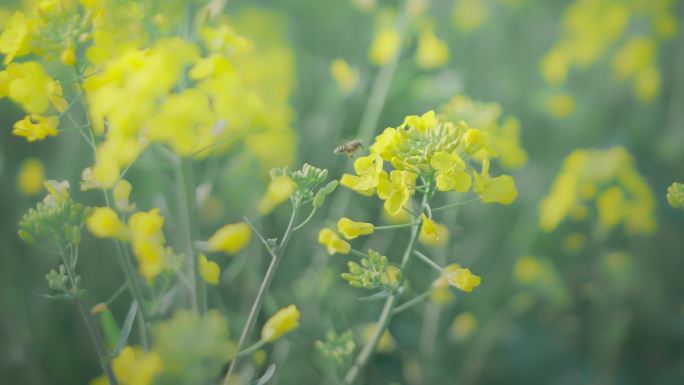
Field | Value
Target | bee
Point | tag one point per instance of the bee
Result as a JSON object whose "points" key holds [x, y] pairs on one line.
{"points": [[348, 148]]}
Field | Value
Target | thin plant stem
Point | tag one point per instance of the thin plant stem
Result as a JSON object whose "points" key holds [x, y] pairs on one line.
{"points": [[456, 204], [186, 191], [256, 305], [408, 304], [428, 261], [389, 227], [387, 310], [305, 221]]}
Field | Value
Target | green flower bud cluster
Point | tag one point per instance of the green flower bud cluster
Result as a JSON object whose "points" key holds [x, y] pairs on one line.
{"points": [[58, 224], [374, 272], [337, 349], [58, 280], [417, 147], [308, 178], [675, 195]]}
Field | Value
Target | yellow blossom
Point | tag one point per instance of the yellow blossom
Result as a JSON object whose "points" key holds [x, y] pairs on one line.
{"points": [[278, 191], [561, 105], [463, 326], [133, 366], [494, 190], [368, 170], [429, 228], [282, 322], [14, 40], [422, 123], [351, 229], [57, 191], [439, 238], [230, 238], [451, 173], [385, 46], [122, 193], [35, 127], [527, 270], [333, 242], [432, 52], [31, 176], [394, 190], [31, 87], [103, 222], [610, 207], [148, 242], [210, 270], [468, 15], [462, 279], [346, 77]]}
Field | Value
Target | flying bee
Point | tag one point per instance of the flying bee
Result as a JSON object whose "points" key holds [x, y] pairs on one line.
{"points": [[348, 148]]}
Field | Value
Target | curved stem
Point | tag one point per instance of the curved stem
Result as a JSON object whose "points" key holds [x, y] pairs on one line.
{"points": [[456, 204], [308, 218], [428, 261], [256, 306], [408, 304]]}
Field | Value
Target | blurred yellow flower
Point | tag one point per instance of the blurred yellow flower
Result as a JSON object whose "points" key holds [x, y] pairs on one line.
{"points": [[386, 343], [429, 228], [148, 242], [14, 40], [432, 52], [133, 366], [210, 270], [468, 15], [555, 66], [333, 242], [35, 127], [230, 238], [278, 191], [439, 238], [103, 222], [121, 194], [31, 176], [463, 326], [346, 77], [282, 322], [31, 87], [385, 46], [351, 229], [561, 105], [527, 270]]}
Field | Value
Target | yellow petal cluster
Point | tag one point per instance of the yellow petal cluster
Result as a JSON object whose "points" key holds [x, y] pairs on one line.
{"points": [[282, 322], [608, 178], [148, 242], [346, 77], [278, 191], [333, 243], [209, 270], [351, 229], [35, 127], [133, 366], [230, 238], [103, 222]]}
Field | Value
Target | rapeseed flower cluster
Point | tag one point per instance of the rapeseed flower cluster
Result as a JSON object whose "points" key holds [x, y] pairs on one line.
{"points": [[590, 30], [609, 180]]}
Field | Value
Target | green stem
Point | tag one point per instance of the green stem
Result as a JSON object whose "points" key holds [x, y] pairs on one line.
{"points": [[256, 305], [388, 227], [258, 345], [456, 204], [408, 304], [387, 310], [186, 191], [428, 261], [305, 221]]}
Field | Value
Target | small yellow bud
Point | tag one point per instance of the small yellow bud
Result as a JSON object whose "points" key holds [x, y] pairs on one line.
{"points": [[105, 223], [351, 229], [210, 270], [68, 56], [333, 242], [31, 177]]}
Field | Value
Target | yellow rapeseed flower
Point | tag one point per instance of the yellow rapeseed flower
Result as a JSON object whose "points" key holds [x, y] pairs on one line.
{"points": [[14, 40], [133, 366], [121, 194], [494, 190], [278, 191], [31, 87], [230, 238], [462, 279], [333, 242], [439, 238], [346, 77], [561, 105], [35, 127], [429, 228], [527, 270], [451, 173], [385, 46], [282, 322], [351, 229], [103, 222], [148, 242], [368, 170], [432, 52], [210, 270], [394, 190], [468, 15], [31, 176], [463, 326]]}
